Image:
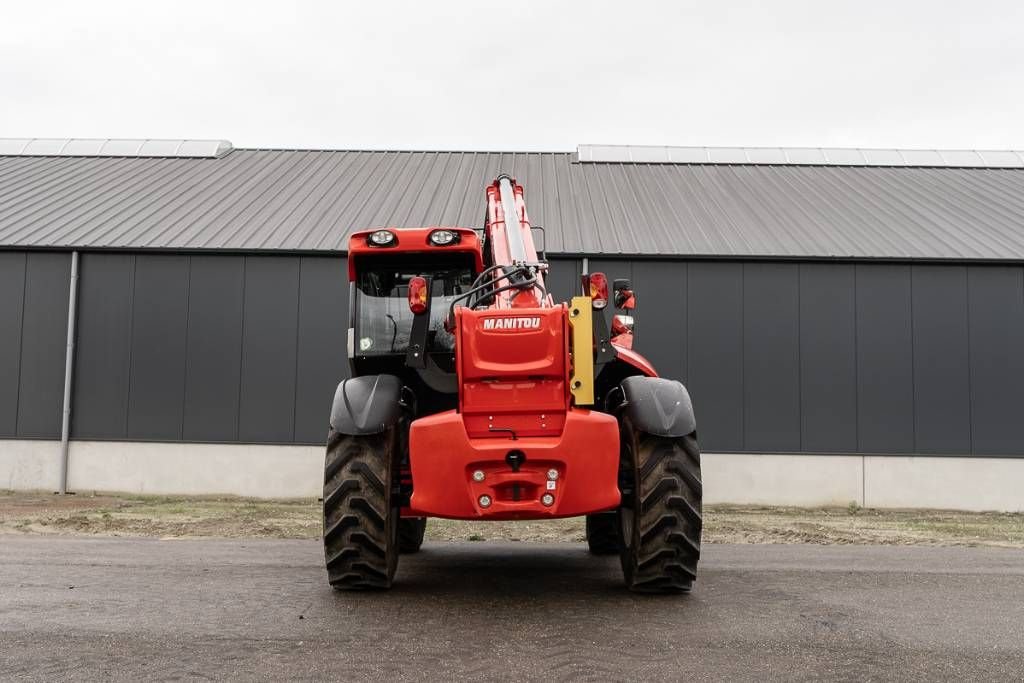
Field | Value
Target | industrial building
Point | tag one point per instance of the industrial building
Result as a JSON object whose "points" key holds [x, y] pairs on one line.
{"points": [[850, 323]]}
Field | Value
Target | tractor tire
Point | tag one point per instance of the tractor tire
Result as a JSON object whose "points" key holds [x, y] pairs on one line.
{"points": [[603, 534], [360, 521], [410, 534], [660, 516]]}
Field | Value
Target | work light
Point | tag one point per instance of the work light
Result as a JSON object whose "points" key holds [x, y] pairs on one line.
{"points": [[381, 238], [442, 238]]}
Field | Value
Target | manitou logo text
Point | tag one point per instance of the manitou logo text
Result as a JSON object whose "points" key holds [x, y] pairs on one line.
{"points": [[511, 323]]}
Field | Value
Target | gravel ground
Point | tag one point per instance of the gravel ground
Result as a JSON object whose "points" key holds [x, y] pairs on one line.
{"points": [[144, 609], [180, 517]]}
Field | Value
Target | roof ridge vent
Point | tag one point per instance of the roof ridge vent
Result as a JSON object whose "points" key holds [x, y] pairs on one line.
{"points": [[113, 147], [799, 156]]}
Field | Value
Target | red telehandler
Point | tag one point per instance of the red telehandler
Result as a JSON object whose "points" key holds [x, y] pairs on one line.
{"points": [[475, 396]]}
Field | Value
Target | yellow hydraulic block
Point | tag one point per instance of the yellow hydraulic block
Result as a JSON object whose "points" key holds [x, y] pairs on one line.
{"points": [[581, 381]]}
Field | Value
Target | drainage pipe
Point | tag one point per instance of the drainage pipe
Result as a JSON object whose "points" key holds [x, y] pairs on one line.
{"points": [[69, 373]]}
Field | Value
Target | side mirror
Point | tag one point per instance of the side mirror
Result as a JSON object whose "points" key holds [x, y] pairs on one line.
{"points": [[624, 298], [621, 324], [622, 330]]}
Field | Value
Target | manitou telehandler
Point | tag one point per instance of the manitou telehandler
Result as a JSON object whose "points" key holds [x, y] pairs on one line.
{"points": [[475, 396]]}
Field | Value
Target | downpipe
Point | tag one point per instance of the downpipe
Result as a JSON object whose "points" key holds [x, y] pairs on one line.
{"points": [[69, 373]]}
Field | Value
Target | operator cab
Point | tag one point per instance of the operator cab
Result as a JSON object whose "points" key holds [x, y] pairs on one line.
{"points": [[380, 321]]}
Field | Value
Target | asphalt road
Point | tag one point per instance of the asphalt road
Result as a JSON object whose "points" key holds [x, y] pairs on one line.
{"points": [[152, 609]]}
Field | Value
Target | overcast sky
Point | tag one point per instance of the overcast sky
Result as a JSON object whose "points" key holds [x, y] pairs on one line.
{"points": [[518, 75]]}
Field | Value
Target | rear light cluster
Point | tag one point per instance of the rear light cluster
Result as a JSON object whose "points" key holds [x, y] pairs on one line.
{"points": [[595, 285], [418, 295]]}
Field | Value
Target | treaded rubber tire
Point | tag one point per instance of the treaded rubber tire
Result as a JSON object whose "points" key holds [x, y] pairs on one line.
{"points": [[661, 517], [360, 522], [603, 534], [410, 534]]}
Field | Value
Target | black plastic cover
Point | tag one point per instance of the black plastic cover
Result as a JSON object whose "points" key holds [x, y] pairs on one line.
{"points": [[366, 405], [659, 406]]}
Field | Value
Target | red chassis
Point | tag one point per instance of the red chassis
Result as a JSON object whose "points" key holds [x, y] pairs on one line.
{"points": [[516, 443]]}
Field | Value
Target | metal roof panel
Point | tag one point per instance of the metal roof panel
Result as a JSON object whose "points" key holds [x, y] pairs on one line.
{"points": [[254, 200]]}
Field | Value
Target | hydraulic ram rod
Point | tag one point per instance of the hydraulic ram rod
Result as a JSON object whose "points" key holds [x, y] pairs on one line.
{"points": [[513, 228]]}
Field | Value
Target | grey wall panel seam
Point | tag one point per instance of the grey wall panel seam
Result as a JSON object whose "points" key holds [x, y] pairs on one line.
{"points": [[298, 350], [685, 300], [184, 344], [742, 354], [131, 329], [686, 339], [241, 350], [856, 367], [185, 369], [970, 378], [913, 364], [21, 342], [799, 362]]}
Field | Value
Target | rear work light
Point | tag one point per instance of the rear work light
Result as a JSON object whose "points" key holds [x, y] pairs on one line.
{"points": [[443, 238], [381, 238], [597, 288], [417, 295]]}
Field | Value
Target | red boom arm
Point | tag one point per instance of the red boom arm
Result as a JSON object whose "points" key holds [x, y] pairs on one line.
{"points": [[511, 245]]}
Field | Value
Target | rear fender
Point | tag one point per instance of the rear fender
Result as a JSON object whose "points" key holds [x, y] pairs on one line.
{"points": [[658, 406], [366, 405], [631, 357]]}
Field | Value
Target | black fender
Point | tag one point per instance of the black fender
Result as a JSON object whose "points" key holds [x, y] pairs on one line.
{"points": [[366, 405], [658, 406]]}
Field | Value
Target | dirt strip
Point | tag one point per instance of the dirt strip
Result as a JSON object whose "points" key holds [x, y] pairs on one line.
{"points": [[181, 517]]}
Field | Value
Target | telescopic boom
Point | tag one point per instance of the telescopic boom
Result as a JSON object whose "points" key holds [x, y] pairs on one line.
{"points": [[510, 241]]}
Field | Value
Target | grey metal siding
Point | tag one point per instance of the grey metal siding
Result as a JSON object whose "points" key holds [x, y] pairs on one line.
{"points": [[214, 348], [43, 344], [99, 406], [563, 279], [321, 359], [808, 357], [771, 356], [885, 360], [828, 358], [661, 315], [714, 353], [269, 347], [160, 347], [996, 306], [12, 300], [942, 392], [159, 327]]}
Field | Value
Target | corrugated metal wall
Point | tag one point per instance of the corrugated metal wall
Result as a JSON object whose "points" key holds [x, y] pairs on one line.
{"points": [[779, 357], [822, 358], [33, 334], [208, 348]]}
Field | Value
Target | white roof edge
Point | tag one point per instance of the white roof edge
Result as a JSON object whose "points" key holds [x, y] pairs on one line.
{"points": [[800, 156], [114, 147]]}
